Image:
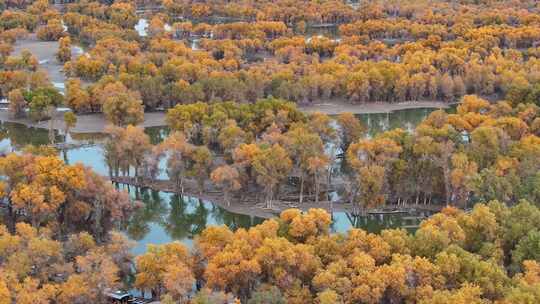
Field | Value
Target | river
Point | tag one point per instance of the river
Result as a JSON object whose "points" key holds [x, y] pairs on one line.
{"points": [[166, 217]]}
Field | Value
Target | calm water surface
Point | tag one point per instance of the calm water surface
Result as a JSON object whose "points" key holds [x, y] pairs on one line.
{"points": [[166, 217]]}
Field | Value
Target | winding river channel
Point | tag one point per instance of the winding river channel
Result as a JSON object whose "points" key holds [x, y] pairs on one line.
{"points": [[166, 217]]}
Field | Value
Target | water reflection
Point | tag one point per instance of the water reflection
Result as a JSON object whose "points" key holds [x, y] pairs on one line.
{"points": [[404, 119], [165, 217], [15, 136], [157, 134], [183, 224], [342, 221]]}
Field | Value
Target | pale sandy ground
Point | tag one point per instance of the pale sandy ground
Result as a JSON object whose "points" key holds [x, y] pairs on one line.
{"points": [[95, 123], [45, 52], [338, 107], [92, 123]]}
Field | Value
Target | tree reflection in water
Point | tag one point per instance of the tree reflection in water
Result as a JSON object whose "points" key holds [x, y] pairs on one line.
{"points": [[157, 134], [233, 220], [154, 210], [181, 218], [181, 223], [404, 119], [20, 136], [165, 217]]}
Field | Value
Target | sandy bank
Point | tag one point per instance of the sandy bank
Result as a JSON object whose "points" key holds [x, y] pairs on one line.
{"points": [[252, 208], [338, 107], [95, 123], [91, 123]]}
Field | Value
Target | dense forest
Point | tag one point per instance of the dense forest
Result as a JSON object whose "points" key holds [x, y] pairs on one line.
{"points": [[307, 51], [230, 77], [485, 151], [487, 255]]}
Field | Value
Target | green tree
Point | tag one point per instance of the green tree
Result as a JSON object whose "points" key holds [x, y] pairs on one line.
{"points": [[41, 99], [267, 295], [528, 248]]}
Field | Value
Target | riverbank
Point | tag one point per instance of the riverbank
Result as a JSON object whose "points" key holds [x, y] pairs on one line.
{"points": [[88, 123], [249, 206], [338, 107], [96, 123]]}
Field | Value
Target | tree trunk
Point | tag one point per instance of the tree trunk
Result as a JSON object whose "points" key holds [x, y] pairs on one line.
{"points": [[269, 198], [137, 177], [201, 186], [317, 189], [301, 187], [329, 181], [182, 186], [51, 130], [11, 217], [97, 221], [64, 154], [35, 223], [447, 189], [177, 184]]}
